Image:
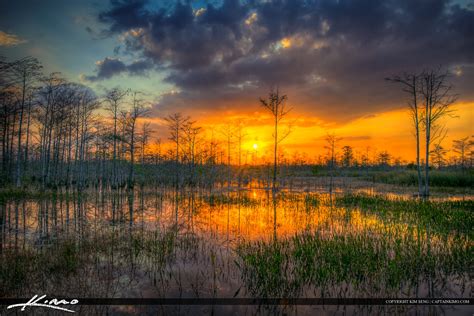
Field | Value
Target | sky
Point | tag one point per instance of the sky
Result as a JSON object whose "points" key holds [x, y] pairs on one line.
{"points": [[212, 60]]}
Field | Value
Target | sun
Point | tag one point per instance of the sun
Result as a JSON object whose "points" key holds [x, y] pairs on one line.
{"points": [[255, 146]]}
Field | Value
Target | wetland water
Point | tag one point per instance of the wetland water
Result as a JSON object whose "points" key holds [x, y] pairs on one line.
{"points": [[249, 243]]}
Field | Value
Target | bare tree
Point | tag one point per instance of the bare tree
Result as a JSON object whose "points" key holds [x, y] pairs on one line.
{"points": [[138, 110], [276, 105], [438, 155], [229, 132], [470, 153], [88, 103], [24, 74], [438, 98], [462, 147], [48, 115], [175, 123], [144, 138], [384, 158], [411, 85], [114, 98], [331, 141], [240, 135], [190, 137], [365, 160], [347, 156]]}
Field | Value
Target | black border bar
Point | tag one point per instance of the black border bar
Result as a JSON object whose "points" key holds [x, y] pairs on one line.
{"points": [[256, 301]]}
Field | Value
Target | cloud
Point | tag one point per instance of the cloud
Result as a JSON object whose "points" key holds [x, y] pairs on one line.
{"points": [[330, 57], [356, 138], [110, 67], [124, 15], [7, 39]]}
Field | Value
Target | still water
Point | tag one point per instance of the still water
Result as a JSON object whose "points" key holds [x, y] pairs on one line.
{"points": [[161, 243]]}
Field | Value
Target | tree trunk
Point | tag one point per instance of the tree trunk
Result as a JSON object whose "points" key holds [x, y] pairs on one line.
{"points": [[114, 162], [428, 123], [18, 157], [427, 163], [132, 155], [275, 151], [417, 131], [27, 142], [418, 166]]}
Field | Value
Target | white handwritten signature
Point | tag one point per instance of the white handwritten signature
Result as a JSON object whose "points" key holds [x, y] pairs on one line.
{"points": [[38, 301]]}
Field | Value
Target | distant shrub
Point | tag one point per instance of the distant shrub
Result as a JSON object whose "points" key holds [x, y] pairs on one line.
{"points": [[437, 178]]}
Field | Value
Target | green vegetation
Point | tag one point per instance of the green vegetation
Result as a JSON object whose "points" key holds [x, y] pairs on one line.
{"points": [[320, 246], [12, 193], [442, 217], [234, 199], [412, 241], [444, 178], [374, 266], [21, 267], [437, 178], [62, 260]]}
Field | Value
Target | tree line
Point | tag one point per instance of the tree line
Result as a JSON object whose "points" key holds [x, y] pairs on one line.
{"points": [[57, 133], [53, 134]]}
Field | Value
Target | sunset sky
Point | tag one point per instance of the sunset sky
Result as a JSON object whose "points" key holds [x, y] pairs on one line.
{"points": [[212, 60]]}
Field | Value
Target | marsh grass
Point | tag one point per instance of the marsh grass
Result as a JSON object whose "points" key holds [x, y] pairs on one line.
{"points": [[232, 199], [437, 178], [22, 267], [372, 266], [440, 216], [65, 259], [13, 193], [385, 247], [243, 244]]}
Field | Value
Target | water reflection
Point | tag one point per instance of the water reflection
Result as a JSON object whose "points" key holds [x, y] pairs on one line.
{"points": [[176, 243], [243, 215]]}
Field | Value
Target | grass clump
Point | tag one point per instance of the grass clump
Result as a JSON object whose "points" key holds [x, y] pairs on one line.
{"points": [[437, 178], [372, 265], [395, 246], [14, 271], [440, 216], [21, 267], [222, 199]]}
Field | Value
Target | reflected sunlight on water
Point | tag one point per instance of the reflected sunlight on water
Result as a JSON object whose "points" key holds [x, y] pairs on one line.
{"points": [[134, 237]]}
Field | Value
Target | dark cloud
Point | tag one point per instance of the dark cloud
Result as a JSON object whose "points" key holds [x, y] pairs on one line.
{"points": [[125, 14], [330, 56], [110, 67]]}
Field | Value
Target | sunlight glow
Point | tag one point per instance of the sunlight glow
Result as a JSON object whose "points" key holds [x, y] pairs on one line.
{"points": [[285, 43], [251, 19]]}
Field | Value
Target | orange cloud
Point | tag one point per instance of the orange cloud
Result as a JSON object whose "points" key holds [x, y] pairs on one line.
{"points": [[10, 39]]}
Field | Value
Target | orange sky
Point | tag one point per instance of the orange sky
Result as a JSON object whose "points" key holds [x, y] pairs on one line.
{"points": [[391, 131]]}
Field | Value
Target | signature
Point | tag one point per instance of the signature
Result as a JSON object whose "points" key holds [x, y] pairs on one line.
{"points": [[39, 301]]}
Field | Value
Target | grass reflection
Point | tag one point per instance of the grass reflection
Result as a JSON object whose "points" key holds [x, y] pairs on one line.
{"points": [[162, 243]]}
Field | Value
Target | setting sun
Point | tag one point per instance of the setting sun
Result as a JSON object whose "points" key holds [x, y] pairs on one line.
{"points": [[255, 146]]}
